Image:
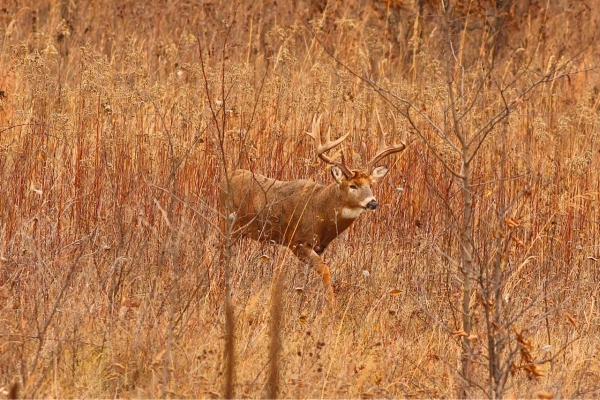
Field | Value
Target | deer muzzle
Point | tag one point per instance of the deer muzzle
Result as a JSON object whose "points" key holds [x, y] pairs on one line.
{"points": [[372, 204]]}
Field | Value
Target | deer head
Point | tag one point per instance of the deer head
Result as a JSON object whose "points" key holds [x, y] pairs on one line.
{"points": [[354, 184]]}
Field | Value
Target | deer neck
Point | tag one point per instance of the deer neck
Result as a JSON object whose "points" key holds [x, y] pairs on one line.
{"points": [[335, 209]]}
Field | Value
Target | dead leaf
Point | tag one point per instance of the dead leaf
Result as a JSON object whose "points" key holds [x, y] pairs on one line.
{"points": [[511, 222], [572, 320], [543, 394], [518, 241]]}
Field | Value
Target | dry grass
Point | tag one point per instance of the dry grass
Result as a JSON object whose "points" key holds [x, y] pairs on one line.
{"points": [[110, 282]]}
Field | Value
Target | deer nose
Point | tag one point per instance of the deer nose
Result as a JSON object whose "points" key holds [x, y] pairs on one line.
{"points": [[372, 204]]}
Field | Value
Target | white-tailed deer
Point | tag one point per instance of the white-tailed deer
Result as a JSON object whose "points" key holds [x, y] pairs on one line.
{"points": [[303, 215]]}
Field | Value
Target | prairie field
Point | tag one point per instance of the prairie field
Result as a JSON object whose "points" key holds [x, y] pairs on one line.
{"points": [[477, 275]]}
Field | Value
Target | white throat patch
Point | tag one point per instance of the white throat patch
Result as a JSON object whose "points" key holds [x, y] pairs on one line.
{"points": [[351, 213]]}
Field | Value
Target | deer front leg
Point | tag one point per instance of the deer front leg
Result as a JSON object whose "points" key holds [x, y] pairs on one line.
{"points": [[308, 255]]}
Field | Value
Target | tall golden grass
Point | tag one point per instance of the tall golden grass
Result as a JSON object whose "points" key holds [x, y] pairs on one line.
{"points": [[118, 119]]}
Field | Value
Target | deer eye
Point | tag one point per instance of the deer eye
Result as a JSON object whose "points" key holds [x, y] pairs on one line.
{"points": [[353, 187]]}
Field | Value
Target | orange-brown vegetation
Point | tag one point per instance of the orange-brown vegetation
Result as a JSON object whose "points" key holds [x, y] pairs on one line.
{"points": [[118, 120]]}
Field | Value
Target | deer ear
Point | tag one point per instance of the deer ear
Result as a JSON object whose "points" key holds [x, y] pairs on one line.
{"points": [[378, 173], [337, 174]]}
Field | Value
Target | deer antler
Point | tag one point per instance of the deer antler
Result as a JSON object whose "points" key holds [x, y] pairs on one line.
{"points": [[328, 145], [382, 149]]}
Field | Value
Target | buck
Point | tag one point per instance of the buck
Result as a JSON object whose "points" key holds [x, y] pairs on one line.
{"points": [[303, 215]]}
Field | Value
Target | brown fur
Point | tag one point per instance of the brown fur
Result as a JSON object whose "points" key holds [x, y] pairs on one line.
{"points": [[302, 215]]}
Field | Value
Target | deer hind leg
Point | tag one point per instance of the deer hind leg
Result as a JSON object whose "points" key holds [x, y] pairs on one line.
{"points": [[308, 255]]}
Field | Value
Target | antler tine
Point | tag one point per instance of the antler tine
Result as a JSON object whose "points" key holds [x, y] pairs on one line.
{"points": [[384, 150], [322, 148]]}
